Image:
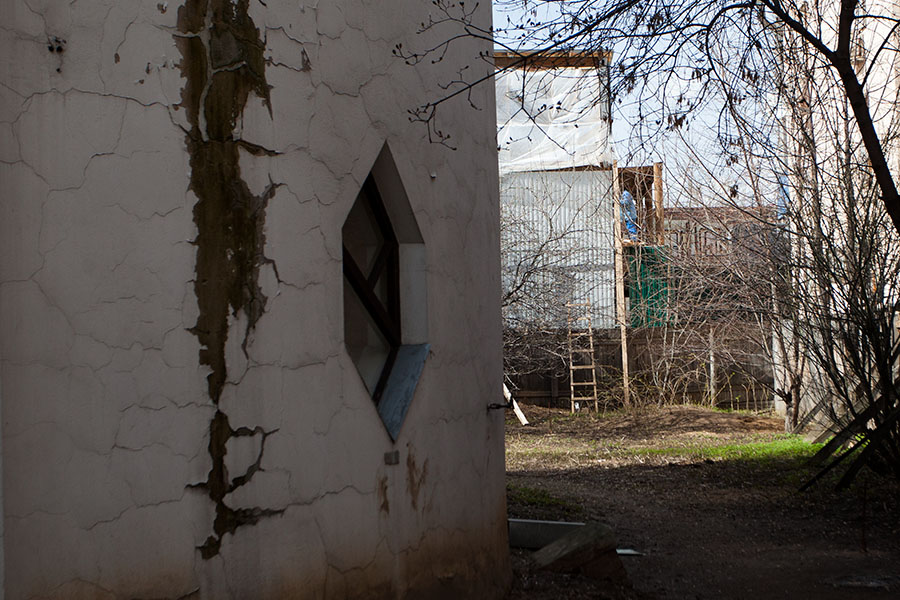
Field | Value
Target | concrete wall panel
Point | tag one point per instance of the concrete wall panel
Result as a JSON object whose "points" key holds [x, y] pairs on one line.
{"points": [[180, 415]]}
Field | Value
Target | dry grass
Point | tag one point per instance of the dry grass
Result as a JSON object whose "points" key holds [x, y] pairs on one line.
{"points": [[557, 440]]}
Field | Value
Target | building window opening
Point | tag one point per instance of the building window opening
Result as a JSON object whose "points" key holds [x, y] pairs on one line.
{"points": [[385, 293], [371, 256]]}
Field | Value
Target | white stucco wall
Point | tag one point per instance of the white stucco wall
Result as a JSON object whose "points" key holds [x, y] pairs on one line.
{"points": [[107, 412]]}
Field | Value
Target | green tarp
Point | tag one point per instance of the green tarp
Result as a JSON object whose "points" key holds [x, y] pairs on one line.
{"points": [[648, 287]]}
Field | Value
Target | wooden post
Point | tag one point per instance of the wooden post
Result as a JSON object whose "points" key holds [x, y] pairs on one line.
{"points": [[658, 201], [712, 369], [620, 281]]}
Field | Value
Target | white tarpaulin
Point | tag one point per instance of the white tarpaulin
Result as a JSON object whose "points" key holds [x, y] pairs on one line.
{"points": [[552, 119]]}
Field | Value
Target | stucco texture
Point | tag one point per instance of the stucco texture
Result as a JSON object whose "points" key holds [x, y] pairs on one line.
{"points": [[180, 417]]}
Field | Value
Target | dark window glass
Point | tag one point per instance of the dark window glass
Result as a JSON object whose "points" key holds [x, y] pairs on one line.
{"points": [[371, 288]]}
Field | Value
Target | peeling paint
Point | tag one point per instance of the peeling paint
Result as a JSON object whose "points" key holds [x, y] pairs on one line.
{"points": [[222, 62], [218, 485]]}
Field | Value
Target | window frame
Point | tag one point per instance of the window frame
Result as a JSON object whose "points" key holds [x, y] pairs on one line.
{"points": [[387, 263]]}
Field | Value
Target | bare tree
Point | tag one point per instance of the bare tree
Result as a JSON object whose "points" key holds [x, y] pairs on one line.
{"points": [[677, 58], [846, 263], [716, 334]]}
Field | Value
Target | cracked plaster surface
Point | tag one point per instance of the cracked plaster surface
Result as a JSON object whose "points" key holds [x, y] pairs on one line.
{"points": [[98, 294]]}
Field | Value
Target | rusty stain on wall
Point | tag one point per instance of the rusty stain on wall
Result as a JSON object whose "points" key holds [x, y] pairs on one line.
{"points": [[415, 477], [384, 506]]}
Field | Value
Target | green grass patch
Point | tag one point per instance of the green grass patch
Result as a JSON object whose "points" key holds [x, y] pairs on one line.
{"points": [[536, 498], [527, 502], [787, 447], [740, 411]]}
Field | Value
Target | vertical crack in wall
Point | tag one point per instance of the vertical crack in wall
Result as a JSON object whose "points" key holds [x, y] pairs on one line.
{"points": [[218, 485], [223, 63]]}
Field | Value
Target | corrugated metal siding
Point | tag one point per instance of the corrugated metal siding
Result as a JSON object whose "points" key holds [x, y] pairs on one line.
{"points": [[576, 206]]}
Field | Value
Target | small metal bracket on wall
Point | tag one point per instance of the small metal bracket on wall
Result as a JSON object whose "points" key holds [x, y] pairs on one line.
{"points": [[510, 403]]}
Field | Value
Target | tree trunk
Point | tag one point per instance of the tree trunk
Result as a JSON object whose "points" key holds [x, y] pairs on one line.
{"points": [[856, 95], [795, 406]]}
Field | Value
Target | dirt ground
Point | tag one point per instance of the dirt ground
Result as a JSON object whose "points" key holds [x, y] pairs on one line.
{"points": [[708, 527]]}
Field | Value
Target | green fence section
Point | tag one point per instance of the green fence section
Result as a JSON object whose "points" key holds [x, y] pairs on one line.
{"points": [[648, 285]]}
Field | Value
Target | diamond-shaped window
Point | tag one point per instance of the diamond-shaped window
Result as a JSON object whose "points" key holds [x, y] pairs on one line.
{"points": [[371, 300], [385, 322]]}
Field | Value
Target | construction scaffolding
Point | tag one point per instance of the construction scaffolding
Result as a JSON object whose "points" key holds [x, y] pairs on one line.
{"points": [[639, 242]]}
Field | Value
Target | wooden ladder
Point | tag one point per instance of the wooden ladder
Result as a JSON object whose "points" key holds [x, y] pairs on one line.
{"points": [[581, 356]]}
